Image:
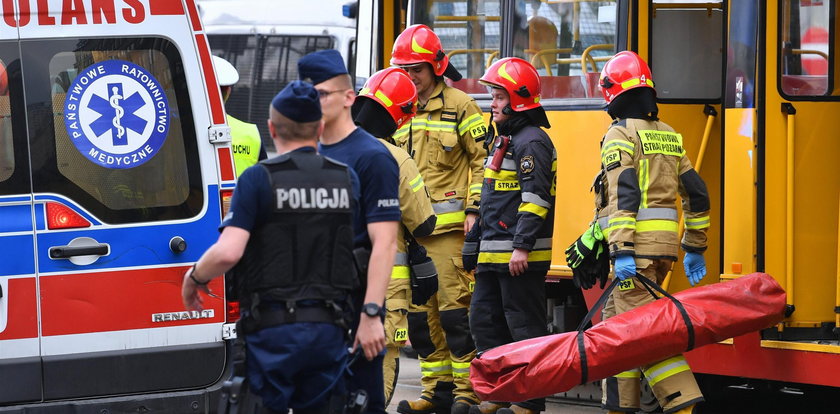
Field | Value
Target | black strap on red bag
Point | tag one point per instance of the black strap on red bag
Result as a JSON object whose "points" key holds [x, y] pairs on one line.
{"points": [[651, 286]]}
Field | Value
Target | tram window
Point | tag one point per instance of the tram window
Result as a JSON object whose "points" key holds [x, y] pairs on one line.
{"points": [[687, 49], [470, 32], [806, 47], [568, 43]]}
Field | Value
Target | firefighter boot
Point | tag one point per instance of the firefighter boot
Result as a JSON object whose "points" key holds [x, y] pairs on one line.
{"points": [[461, 407], [687, 410], [487, 407], [515, 409], [439, 403], [422, 405]]}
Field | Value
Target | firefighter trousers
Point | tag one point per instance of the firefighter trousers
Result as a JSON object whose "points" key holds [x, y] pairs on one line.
{"points": [[396, 329], [506, 309], [439, 330], [671, 379]]}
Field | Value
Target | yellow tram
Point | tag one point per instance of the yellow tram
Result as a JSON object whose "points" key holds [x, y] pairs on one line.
{"points": [[754, 88]]}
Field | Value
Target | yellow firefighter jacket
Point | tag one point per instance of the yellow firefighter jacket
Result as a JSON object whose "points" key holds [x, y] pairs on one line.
{"points": [[416, 210], [445, 139], [644, 166]]}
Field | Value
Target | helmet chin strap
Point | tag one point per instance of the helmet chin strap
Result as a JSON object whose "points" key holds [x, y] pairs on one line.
{"points": [[507, 110]]}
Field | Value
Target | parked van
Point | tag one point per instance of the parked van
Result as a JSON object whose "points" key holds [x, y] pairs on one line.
{"points": [[115, 164], [264, 39]]}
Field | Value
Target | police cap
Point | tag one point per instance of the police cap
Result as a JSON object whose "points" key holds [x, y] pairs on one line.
{"points": [[320, 66], [299, 102]]}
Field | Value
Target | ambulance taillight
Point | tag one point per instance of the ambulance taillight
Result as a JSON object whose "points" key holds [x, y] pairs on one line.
{"points": [[60, 216], [232, 314], [225, 196]]}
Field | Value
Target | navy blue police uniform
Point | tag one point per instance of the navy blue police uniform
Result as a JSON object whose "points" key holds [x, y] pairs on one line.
{"points": [[292, 279], [379, 179]]}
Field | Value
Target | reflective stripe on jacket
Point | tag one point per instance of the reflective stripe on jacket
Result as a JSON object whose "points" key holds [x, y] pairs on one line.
{"points": [[445, 140], [646, 167], [517, 203]]}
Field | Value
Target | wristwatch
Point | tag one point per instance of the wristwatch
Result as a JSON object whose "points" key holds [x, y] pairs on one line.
{"points": [[372, 309]]}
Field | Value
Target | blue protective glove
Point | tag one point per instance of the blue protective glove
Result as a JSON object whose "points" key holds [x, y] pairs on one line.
{"points": [[625, 267], [695, 267]]}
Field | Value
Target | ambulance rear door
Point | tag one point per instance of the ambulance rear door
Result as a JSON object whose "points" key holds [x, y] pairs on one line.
{"points": [[20, 362], [126, 184]]}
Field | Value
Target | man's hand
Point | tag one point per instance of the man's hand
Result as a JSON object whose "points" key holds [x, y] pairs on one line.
{"points": [[218, 259], [518, 262], [370, 335], [469, 222], [190, 292]]}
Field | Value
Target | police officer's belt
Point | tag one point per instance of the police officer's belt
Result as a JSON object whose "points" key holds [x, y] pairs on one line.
{"points": [[266, 317]]}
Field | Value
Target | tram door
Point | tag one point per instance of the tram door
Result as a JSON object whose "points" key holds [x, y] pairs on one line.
{"points": [[684, 46], [800, 158]]}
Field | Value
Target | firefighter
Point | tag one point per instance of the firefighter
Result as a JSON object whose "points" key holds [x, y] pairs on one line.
{"points": [[442, 139], [644, 166], [516, 220], [293, 303], [386, 102], [245, 138]]}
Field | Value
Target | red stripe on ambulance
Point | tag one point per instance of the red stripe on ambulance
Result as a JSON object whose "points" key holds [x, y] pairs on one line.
{"points": [[165, 8], [118, 300], [217, 111], [226, 164], [23, 310], [194, 17]]}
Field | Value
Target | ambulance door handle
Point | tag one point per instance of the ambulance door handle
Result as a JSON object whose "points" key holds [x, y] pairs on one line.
{"points": [[66, 252]]}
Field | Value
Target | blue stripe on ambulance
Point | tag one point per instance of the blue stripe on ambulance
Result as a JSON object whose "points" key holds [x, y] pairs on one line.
{"points": [[16, 218], [19, 248], [135, 246]]}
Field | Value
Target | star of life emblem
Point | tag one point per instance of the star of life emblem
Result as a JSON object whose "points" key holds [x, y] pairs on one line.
{"points": [[116, 114]]}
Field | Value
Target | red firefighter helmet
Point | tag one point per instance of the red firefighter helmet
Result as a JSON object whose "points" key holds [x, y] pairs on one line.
{"points": [[393, 89], [419, 44], [625, 71], [518, 78]]}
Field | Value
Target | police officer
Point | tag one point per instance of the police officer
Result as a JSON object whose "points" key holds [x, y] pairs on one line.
{"points": [[289, 233], [386, 102], [644, 167], [516, 220], [442, 138], [245, 138], [376, 230]]}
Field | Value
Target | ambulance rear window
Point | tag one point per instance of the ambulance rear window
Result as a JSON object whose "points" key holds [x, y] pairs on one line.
{"points": [[111, 127], [14, 157], [7, 147]]}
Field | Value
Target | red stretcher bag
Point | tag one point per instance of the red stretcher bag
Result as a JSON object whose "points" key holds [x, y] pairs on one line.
{"points": [[671, 325]]}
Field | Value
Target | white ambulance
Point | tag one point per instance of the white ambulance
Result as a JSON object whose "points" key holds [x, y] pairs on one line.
{"points": [[115, 165]]}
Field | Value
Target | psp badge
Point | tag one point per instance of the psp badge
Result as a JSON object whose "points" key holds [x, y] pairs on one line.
{"points": [[116, 114]]}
